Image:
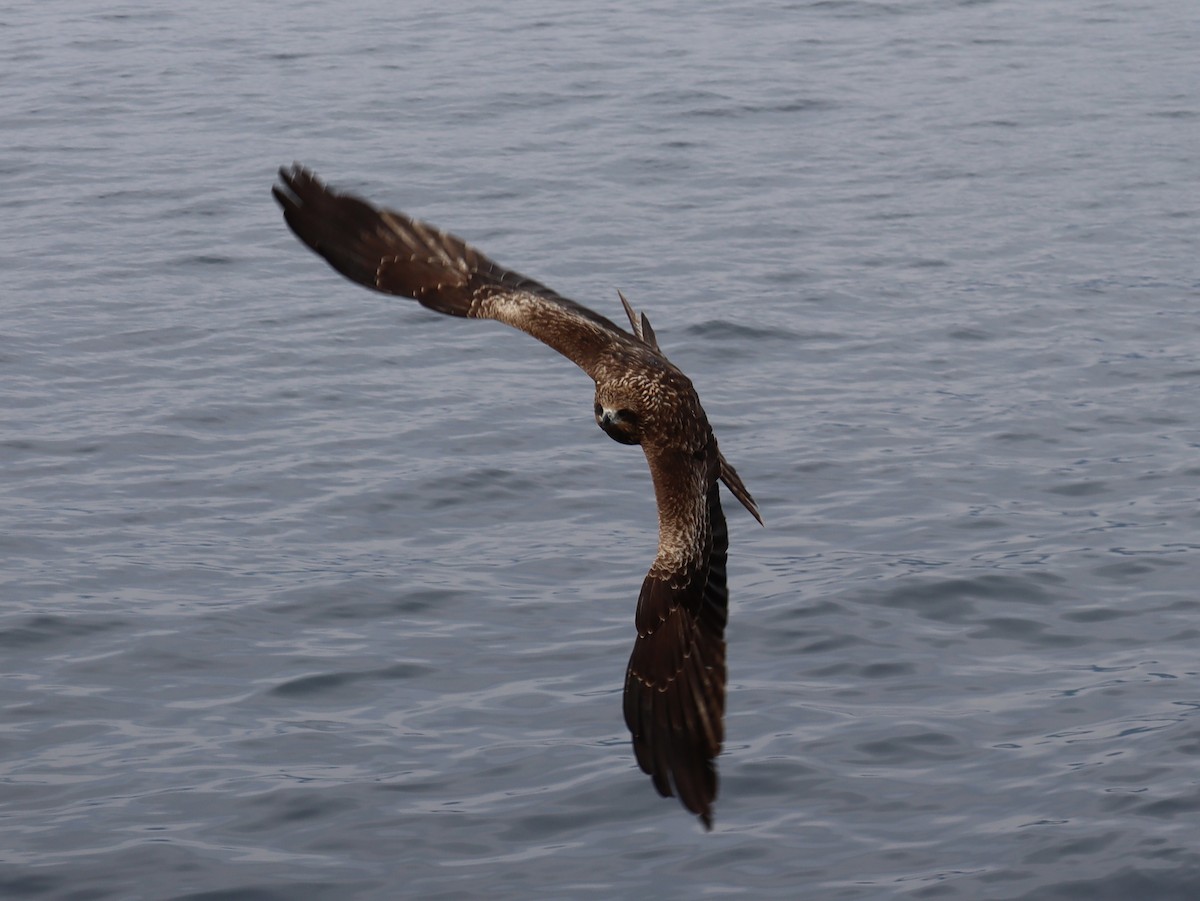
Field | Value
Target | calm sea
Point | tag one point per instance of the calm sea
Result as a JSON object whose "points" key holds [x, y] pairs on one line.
{"points": [[308, 593]]}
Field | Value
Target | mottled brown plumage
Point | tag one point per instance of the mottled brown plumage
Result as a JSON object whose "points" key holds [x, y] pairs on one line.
{"points": [[675, 684]]}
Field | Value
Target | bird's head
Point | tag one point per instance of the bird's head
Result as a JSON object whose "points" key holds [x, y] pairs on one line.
{"points": [[620, 419]]}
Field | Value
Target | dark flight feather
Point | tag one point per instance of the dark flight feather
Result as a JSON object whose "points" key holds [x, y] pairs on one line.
{"points": [[675, 684]]}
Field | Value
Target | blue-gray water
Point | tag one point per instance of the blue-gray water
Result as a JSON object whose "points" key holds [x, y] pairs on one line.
{"points": [[310, 593]]}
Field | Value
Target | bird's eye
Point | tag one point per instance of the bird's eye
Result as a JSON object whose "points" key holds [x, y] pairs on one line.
{"points": [[627, 415], [599, 409]]}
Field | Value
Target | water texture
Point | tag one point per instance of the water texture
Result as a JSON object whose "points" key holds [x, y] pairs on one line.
{"points": [[309, 593]]}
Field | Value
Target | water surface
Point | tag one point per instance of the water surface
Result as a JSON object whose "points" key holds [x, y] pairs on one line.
{"points": [[310, 593]]}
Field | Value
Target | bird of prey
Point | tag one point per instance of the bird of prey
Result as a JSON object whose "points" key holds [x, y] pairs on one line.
{"points": [[674, 699]]}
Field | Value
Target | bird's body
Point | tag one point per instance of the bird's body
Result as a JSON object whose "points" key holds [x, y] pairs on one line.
{"points": [[675, 683]]}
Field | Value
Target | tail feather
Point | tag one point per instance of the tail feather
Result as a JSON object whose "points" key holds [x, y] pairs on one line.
{"points": [[640, 324], [734, 483]]}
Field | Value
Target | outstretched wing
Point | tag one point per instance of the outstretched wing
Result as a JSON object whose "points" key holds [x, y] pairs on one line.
{"points": [[675, 684], [392, 253]]}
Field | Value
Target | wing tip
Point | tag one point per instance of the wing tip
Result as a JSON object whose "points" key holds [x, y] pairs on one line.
{"points": [[675, 690], [299, 180]]}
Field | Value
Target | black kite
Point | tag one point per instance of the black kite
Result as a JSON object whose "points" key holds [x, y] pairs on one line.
{"points": [[675, 683]]}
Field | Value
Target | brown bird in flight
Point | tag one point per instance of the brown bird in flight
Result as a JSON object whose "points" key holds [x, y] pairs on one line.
{"points": [[675, 683]]}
